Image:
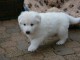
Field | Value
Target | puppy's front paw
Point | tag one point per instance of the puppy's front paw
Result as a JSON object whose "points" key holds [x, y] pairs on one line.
{"points": [[32, 48], [60, 42]]}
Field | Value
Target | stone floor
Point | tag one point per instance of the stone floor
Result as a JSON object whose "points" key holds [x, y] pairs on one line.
{"points": [[14, 44]]}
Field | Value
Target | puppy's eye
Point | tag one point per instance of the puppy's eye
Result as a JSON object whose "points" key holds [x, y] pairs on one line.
{"points": [[32, 24], [24, 24]]}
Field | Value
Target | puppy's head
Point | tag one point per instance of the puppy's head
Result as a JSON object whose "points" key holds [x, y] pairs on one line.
{"points": [[29, 21]]}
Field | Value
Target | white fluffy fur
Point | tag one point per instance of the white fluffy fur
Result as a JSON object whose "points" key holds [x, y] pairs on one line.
{"points": [[45, 24]]}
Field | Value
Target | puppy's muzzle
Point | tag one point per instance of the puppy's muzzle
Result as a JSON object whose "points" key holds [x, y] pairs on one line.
{"points": [[27, 32]]}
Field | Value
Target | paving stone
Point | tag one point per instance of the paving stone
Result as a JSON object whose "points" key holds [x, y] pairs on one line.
{"points": [[77, 49], [33, 56], [13, 51], [62, 50], [50, 55], [9, 23], [48, 52], [2, 51], [75, 35], [22, 45], [78, 54], [18, 36], [54, 57], [8, 44], [2, 57], [12, 29], [2, 40], [21, 40], [72, 44], [4, 35], [71, 57], [50, 40], [17, 58], [2, 29], [1, 23]]}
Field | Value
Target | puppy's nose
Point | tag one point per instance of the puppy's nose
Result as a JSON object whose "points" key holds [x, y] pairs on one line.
{"points": [[27, 32]]}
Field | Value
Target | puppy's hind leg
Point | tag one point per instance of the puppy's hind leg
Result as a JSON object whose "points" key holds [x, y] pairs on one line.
{"points": [[63, 35]]}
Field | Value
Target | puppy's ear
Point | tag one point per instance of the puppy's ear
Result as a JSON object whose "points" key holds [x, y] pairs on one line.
{"points": [[23, 12], [38, 18], [21, 16]]}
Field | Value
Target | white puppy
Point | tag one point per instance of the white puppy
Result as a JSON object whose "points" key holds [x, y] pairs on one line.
{"points": [[38, 26]]}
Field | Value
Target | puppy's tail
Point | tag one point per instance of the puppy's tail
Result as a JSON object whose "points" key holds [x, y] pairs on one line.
{"points": [[73, 20]]}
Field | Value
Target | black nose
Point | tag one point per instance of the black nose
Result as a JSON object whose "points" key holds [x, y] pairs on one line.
{"points": [[27, 32]]}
